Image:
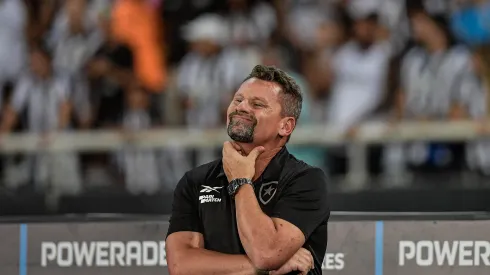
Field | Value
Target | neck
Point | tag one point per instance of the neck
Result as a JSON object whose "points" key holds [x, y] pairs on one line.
{"points": [[437, 45], [264, 159]]}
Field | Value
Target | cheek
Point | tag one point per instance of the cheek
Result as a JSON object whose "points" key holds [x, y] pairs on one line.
{"points": [[228, 112], [266, 125]]}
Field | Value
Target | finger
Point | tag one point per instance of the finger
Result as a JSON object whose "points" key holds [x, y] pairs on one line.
{"points": [[305, 263], [255, 153], [310, 259], [306, 257], [236, 146], [228, 148], [227, 145], [302, 268]]}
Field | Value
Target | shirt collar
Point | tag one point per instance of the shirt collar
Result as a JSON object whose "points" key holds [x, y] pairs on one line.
{"points": [[273, 169]]}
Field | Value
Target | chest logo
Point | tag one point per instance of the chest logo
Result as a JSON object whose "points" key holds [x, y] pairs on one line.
{"points": [[267, 191], [209, 197], [209, 189]]}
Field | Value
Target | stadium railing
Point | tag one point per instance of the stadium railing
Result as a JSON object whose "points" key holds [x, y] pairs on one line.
{"points": [[369, 133]]}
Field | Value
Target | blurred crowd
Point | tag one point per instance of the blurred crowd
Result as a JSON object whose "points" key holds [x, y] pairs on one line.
{"points": [[139, 64]]}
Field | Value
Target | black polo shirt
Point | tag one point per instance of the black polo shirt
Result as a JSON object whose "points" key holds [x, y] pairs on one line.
{"points": [[288, 189]]}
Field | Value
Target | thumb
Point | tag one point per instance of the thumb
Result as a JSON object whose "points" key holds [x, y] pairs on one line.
{"points": [[255, 153]]}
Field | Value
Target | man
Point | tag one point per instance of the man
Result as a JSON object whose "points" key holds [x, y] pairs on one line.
{"points": [[43, 96], [435, 85], [259, 210]]}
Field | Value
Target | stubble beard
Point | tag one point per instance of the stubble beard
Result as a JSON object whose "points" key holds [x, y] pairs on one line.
{"points": [[241, 132]]}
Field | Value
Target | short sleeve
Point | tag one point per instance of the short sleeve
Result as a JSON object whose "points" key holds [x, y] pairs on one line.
{"points": [[185, 211], [304, 202]]}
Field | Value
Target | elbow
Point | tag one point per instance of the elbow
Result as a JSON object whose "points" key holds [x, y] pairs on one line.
{"points": [[266, 260], [175, 263], [176, 268]]}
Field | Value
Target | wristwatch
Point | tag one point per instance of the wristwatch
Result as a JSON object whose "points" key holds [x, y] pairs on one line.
{"points": [[235, 185]]}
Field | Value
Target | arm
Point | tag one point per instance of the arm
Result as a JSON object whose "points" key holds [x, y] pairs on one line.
{"points": [[9, 120], [186, 255], [463, 95], [64, 115], [15, 106], [185, 242], [399, 104], [270, 242]]}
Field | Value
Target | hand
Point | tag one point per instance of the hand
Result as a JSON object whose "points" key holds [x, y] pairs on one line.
{"points": [[302, 261], [237, 166]]}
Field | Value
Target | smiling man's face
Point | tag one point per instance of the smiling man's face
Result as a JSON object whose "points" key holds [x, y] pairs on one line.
{"points": [[254, 115]]}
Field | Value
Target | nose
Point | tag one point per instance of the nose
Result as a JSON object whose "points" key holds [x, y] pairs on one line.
{"points": [[244, 106]]}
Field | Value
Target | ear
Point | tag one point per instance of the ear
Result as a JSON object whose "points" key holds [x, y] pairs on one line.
{"points": [[286, 126]]}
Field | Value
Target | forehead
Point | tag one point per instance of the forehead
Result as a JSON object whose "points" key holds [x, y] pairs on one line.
{"points": [[258, 88]]}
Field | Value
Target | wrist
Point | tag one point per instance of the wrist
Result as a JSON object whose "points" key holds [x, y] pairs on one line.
{"points": [[237, 184]]}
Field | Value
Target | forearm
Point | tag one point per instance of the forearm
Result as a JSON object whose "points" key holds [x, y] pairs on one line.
{"points": [[256, 229], [9, 120], [64, 115], [200, 261]]}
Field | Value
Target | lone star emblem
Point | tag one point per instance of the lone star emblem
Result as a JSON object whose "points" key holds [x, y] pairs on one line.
{"points": [[267, 191]]}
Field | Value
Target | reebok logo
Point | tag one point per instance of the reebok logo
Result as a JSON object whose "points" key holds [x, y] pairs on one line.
{"points": [[209, 189]]}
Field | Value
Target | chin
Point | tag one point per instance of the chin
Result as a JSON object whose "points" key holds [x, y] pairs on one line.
{"points": [[240, 137]]}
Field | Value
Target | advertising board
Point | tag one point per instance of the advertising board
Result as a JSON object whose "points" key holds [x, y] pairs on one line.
{"points": [[419, 247]]}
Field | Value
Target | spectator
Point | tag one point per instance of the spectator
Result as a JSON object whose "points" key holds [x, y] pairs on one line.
{"points": [[139, 166], [250, 22], [318, 67], [433, 77], [313, 155], [208, 75], [44, 96], [358, 90], [13, 28], [110, 71], [478, 152], [74, 40], [432, 74], [302, 19]]}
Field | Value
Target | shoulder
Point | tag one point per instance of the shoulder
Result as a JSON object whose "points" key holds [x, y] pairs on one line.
{"points": [[61, 82], [414, 53], [204, 172], [25, 79], [297, 172], [460, 56], [345, 50]]}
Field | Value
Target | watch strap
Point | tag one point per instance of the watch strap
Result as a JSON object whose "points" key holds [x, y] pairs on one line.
{"points": [[236, 184]]}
